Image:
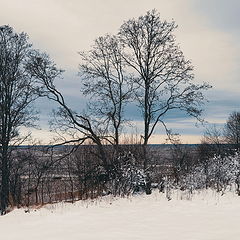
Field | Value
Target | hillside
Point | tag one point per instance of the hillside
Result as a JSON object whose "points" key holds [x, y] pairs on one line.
{"points": [[205, 216]]}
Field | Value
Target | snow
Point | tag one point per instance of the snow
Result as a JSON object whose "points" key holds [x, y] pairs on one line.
{"points": [[205, 216]]}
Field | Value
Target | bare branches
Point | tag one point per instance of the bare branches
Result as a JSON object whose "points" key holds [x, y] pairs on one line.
{"points": [[106, 81], [66, 120], [162, 75], [17, 93], [232, 129]]}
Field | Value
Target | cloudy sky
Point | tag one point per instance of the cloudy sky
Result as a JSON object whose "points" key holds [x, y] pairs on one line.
{"points": [[208, 33]]}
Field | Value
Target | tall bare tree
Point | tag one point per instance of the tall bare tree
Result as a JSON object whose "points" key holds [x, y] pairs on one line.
{"points": [[105, 80], [77, 126], [17, 93], [163, 77]]}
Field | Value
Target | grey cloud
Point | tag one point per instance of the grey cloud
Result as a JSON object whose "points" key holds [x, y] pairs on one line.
{"points": [[221, 13]]}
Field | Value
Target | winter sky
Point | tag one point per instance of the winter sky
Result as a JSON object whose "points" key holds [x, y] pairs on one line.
{"points": [[208, 33]]}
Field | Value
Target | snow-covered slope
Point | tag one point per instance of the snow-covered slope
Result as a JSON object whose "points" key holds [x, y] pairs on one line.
{"points": [[207, 216]]}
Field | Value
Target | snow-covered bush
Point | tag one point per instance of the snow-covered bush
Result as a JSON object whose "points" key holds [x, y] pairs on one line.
{"points": [[195, 179], [218, 172], [129, 178]]}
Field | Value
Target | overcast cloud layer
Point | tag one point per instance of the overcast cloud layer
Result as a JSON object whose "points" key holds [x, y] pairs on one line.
{"points": [[208, 33]]}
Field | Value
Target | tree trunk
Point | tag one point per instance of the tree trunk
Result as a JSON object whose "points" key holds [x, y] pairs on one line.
{"points": [[5, 181]]}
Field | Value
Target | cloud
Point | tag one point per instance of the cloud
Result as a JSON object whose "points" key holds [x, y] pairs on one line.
{"points": [[63, 28], [208, 34], [221, 13]]}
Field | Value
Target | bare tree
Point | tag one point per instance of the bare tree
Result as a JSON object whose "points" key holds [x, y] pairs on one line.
{"points": [[81, 127], [163, 77], [213, 142], [213, 135], [232, 129], [78, 127], [105, 80], [17, 93]]}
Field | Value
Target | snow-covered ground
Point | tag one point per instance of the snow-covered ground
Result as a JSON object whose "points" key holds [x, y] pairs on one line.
{"points": [[206, 216]]}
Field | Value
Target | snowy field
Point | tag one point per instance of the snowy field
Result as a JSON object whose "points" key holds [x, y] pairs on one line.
{"points": [[206, 216]]}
